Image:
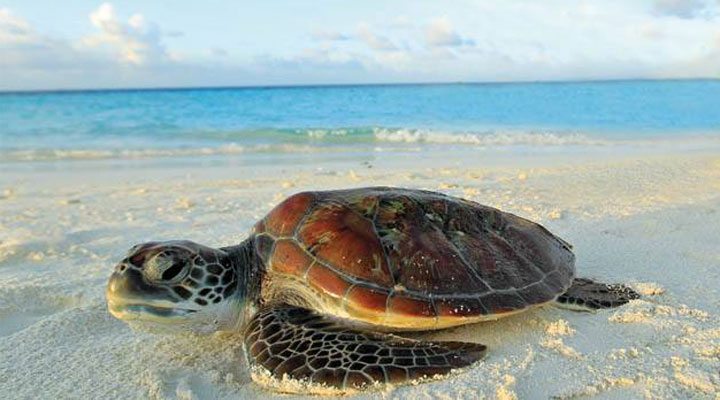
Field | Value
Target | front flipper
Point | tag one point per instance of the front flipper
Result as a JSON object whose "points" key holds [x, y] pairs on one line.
{"points": [[296, 343], [586, 294]]}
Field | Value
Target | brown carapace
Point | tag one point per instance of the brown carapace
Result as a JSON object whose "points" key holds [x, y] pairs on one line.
{"points": [[402, 259]]}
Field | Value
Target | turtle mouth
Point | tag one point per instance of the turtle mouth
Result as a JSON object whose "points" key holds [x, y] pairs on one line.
{"points": [[131, 298], [147, 311]]}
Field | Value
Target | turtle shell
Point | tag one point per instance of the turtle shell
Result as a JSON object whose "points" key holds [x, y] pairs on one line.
{"points": [[409, 259]]}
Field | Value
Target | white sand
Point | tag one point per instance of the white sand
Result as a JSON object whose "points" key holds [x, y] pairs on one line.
{"points": [[648, 218]]}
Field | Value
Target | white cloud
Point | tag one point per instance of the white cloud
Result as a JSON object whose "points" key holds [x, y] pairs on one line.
{"points": [[13, 30], [135, 41], [492, 40], [510, 41], [440, 32], [117, 54], [23, 49]]}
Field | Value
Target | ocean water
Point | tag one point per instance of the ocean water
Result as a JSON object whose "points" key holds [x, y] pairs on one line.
{"points": [[232, 121]]}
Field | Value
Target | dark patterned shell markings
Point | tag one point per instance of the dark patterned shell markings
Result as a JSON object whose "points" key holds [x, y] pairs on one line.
{"points": [[387, 254]]}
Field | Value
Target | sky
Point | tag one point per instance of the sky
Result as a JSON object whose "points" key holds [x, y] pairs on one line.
{"points": [[81, 44]]}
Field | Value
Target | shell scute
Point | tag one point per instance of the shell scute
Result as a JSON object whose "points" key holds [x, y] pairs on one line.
{"points": [[405, 305], [555, 280], [422, 257], [259, 227], [327, 281], [460, 307], [289, 258], [513, 269], [545, 251], [283, 219], [363, 203], [500, 303], [367, 300], [536, 293], [345, 239]]}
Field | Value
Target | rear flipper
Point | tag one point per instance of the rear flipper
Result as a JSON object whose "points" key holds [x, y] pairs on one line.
{"points": [[296, 343], [586, 294]]}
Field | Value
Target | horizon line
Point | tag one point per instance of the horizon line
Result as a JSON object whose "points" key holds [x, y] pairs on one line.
{"points": [[341, 85]]}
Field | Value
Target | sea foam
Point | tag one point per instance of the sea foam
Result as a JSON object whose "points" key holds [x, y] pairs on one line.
{"points": [[303, 141]]}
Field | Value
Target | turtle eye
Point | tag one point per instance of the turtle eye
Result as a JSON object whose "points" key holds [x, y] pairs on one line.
{"points": [[173, 271], [166, 267]]}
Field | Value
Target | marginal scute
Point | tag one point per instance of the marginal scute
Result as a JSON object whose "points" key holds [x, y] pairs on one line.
{"points": [[366, 299], [405, 305], [460, 307], [328, 281], [500, 303], [537, 294], [283, 219], [558, 280]]}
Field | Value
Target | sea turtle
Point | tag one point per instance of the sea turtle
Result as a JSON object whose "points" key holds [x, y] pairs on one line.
{"points": [[327, 275]]}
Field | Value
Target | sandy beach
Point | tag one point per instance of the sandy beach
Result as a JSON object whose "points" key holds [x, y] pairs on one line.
{"points": [[123, 123], [648, 218]]}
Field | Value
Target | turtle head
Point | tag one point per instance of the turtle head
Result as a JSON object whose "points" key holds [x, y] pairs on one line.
{"points": [[176, 286]]}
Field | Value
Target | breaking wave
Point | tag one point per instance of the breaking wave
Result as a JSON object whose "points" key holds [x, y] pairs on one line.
{"points": [[195, 144], [485, 139]]}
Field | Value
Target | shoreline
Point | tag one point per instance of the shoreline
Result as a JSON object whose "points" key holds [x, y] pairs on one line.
{"points": [[377, 142]]}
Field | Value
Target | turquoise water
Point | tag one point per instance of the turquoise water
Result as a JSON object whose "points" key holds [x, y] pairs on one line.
{"points": [[234, 120]]}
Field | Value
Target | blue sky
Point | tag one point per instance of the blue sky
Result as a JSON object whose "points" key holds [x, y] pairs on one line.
{"points": [[89, 44]]}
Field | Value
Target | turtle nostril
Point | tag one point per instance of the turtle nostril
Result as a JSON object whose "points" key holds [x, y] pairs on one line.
{"points": [[120, 268]]}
